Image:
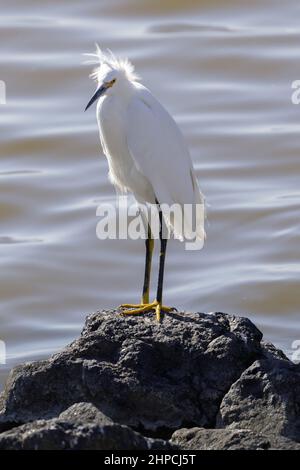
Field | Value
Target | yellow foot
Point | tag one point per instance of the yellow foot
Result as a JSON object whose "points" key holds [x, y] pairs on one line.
{"points": [[134, 309]]}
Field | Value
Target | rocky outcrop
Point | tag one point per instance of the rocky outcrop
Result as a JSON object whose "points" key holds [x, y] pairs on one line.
{"points": [[192, 371], [80, 427]]}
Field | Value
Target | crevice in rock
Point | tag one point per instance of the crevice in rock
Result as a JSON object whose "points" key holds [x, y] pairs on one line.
{"points": [[9, 425], [214, 426], [164, 433]]}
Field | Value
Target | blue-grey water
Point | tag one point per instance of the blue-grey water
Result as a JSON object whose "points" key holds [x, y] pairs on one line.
{"points": [[224, 70]]}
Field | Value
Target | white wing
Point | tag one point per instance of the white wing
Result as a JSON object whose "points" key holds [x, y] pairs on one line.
{"points": [[160, 153]]}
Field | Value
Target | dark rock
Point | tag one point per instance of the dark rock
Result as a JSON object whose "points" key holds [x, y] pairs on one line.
{"points": [[84, 413], [229, 439], [82, 427], [140, 377], [266, 399], [138, 372]]}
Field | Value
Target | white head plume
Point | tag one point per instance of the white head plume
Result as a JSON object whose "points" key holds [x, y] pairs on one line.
{"points": [[107, 60]]}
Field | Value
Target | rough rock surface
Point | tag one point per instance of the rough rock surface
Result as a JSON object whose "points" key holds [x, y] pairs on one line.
{"points": [[80, 427], [229, 439], [192, 370], [139, 372], [266, 398]]}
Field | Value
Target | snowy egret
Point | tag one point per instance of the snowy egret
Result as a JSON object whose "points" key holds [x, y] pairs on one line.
{"points": [[146, 154]]}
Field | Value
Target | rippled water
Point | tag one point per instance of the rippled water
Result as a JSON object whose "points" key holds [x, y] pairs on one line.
{"points": [[224, 70]]}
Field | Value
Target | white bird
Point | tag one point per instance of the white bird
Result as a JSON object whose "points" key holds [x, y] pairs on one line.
{"points": [[147, 155]]}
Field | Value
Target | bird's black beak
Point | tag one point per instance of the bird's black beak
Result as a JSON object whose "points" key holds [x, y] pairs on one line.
{"points": [[96, 95]]}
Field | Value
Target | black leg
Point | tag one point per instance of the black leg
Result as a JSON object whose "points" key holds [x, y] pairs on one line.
{"points": [[162, 256], [147, 306], [149, 251]]}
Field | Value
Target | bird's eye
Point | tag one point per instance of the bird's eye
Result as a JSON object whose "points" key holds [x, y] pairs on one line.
{"points": [[111, 82]]}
